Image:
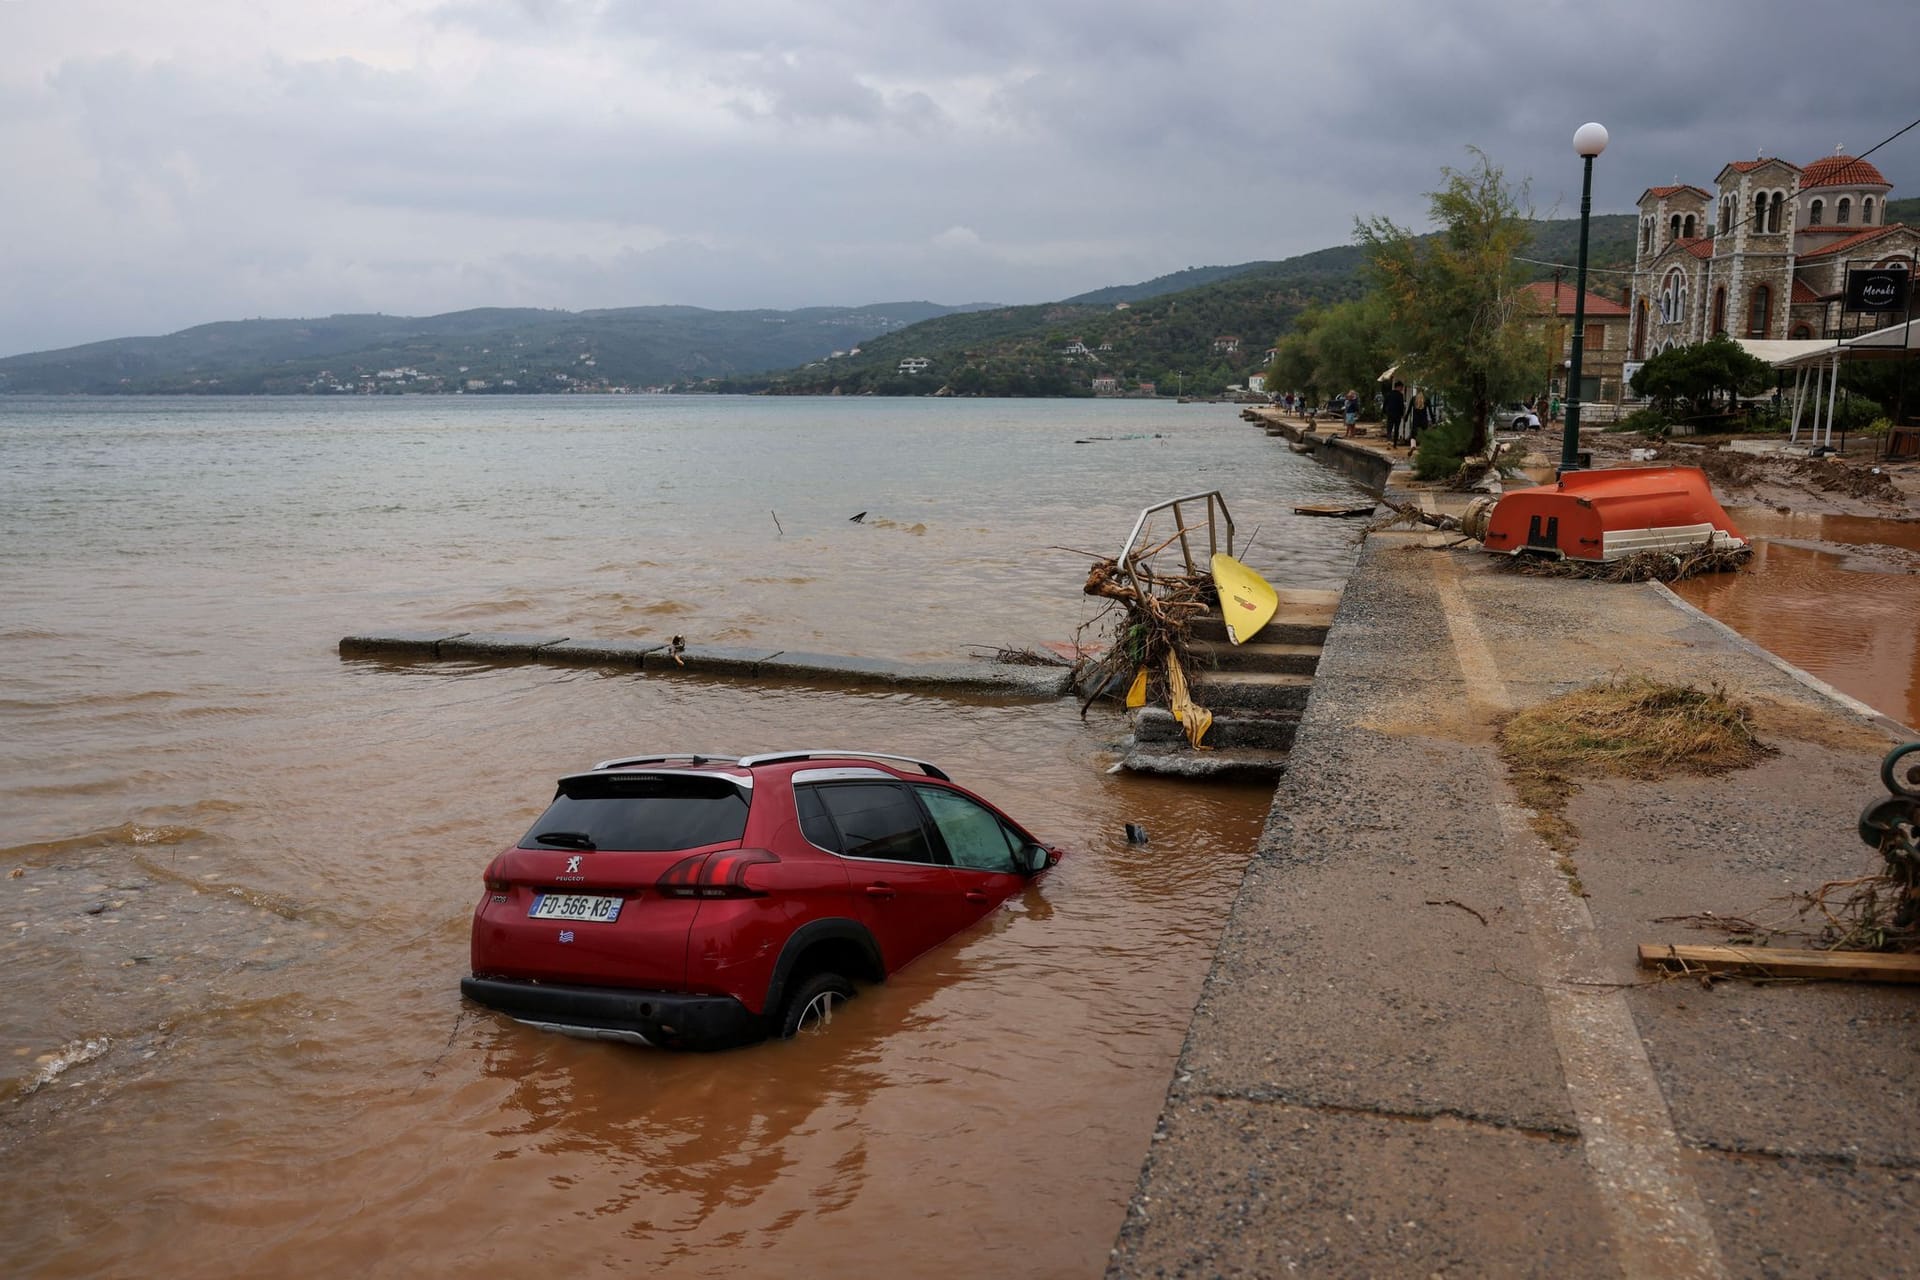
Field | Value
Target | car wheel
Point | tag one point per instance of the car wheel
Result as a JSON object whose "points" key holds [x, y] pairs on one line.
{"points": [[1521, 424], [810, 1007]]}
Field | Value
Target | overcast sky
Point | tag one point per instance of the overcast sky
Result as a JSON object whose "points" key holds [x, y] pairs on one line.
{"points": [[173, 162]]}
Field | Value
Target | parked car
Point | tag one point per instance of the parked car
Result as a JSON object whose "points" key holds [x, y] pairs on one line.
{"points": [[692, 901], [1521, 416]]}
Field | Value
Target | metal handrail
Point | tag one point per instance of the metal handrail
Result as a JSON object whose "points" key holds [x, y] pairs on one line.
{"points": [[1216, 514]]}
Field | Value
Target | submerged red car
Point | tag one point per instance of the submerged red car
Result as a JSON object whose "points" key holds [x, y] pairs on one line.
{"points": [[692, 901]]}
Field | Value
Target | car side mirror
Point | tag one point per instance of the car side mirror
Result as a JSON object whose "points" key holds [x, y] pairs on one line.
{"points": [[1033, 859]]}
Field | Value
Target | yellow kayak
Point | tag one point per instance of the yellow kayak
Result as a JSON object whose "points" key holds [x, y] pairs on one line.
{"points": [[1246, 601]]}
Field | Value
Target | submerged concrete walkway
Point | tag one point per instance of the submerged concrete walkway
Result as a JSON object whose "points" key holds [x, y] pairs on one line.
{"points": [[1013, 681], [1424, 1047]]}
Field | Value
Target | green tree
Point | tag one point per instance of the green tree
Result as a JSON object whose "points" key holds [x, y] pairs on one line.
{"points": [[1295, 366], [1452, 298], [1697, 375], [1353, 344]]}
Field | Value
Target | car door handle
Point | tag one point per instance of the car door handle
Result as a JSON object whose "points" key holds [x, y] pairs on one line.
{"points": [[880, 890], [974, 895]]}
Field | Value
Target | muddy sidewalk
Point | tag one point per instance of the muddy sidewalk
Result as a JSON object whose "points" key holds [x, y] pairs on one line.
{"points": [[1424, 1047]]}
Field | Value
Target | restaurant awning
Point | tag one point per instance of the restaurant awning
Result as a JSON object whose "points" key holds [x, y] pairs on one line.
{"points": [[1823, 358]]}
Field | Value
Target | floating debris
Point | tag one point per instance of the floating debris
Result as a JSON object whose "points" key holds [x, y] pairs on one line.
{"points": [[55, 1065]]}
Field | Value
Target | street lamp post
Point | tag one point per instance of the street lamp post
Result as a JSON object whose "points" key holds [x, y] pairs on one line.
{"points": [[1589, 140]]}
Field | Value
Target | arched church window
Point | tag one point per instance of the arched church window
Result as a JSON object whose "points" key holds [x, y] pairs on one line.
{"points": [[1866, 212], [1759, 311], [1673, 228], [1689, 227], [1646, 236], [1844, 214], [1774, 210], [1720, 309], [1726, 214], [1816, 213], [1802, 330]]}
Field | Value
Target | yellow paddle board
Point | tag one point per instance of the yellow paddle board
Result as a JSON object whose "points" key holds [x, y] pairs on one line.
{"points": [[1246, 601]]}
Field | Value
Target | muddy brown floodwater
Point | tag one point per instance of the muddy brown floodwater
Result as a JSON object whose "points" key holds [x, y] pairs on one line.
{"points": [[287, 1083], [1838, 596], [231, 1036]]}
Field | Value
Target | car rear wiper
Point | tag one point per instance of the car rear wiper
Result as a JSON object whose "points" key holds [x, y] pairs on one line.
{"points": [[566, 839]]}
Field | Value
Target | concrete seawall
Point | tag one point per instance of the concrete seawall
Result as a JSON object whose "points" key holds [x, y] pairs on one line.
{"points": [[1424, 1046], [655, 658], [1364, 465]]}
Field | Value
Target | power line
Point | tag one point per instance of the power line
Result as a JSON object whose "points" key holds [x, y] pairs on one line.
{"points": [[1542, 262]]}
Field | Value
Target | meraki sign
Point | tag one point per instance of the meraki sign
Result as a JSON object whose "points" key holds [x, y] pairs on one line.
{"points": [[1880, 290]]}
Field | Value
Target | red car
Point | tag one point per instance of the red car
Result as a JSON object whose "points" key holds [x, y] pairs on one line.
{"points": [[703, 901]]}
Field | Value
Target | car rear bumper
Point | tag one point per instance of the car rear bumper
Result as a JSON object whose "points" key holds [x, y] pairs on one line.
{"points": [[669, 1020]]}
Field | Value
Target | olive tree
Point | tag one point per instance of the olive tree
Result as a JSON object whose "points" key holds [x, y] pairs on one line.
{"points": [[1332, 348]]}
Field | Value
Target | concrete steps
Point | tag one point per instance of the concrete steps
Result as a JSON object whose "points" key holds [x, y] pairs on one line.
{"points": [[1255, 691], [1290, 659]]}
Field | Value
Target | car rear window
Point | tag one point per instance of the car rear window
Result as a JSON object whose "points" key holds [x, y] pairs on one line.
{"points": [[641, 811]]}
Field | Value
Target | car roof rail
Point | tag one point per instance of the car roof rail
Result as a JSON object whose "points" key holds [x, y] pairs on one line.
{"points": [[696, 757], [816, 753]]}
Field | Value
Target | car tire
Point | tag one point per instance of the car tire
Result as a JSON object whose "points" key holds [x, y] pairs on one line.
{"points": [[1521, 424], [810, 1007]]}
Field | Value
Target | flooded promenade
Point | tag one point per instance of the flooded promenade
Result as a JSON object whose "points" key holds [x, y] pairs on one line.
{"points": [[1474, 1076], [232, 1041]]}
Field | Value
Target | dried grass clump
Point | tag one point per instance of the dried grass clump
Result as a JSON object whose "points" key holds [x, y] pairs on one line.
{"points": [[1642, 566], [1634, 728], [1627, 728]]}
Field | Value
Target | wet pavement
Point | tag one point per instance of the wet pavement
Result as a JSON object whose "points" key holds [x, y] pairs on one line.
{"points": [[1424, 1047]]}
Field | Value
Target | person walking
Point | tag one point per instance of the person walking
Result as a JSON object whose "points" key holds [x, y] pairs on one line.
{"points": [[1419, 418], [1396, 409]]}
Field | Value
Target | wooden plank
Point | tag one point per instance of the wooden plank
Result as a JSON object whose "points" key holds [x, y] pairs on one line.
{"points": [[1334, 509], [1782, 962]]}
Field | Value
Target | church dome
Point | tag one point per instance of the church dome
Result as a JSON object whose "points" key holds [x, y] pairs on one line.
{"points": [[1841, 171]]}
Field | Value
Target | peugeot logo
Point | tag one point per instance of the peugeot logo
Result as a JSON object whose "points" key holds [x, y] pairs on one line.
{"points": [[573, 864]]}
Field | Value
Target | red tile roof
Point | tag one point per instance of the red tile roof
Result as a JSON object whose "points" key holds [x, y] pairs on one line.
{"points": [[1542, 291], [1853, 241], [1841, 171], [1801, 293], [1699, 246], [1748, 166], [1661, 193]]}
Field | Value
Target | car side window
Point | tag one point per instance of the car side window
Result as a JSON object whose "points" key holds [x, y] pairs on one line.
{"points": [[815, 823], [975, 836], [874, 820]]}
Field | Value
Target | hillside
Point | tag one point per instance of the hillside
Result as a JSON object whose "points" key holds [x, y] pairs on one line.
{"points": [[485, 350], [1196, 331], [1198, 341]]}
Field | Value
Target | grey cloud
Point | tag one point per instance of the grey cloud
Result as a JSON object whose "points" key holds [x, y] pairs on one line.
{"points": [[1084, 144]]}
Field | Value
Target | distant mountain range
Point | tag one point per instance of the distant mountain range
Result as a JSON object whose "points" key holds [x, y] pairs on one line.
{"points": [[487, 350], [1196, 331]]}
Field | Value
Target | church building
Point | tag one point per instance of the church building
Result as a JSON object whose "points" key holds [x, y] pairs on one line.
{"points": [[1763, 255]]}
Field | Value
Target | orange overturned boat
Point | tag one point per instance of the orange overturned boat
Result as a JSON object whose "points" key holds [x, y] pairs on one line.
{"points": [[1609, 515]]}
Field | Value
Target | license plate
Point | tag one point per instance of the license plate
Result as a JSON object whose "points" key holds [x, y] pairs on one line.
{"points": [[576, 906]]}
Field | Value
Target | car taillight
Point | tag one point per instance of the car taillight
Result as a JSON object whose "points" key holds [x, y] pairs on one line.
{"points": [[496, 886], [713, 875]]}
